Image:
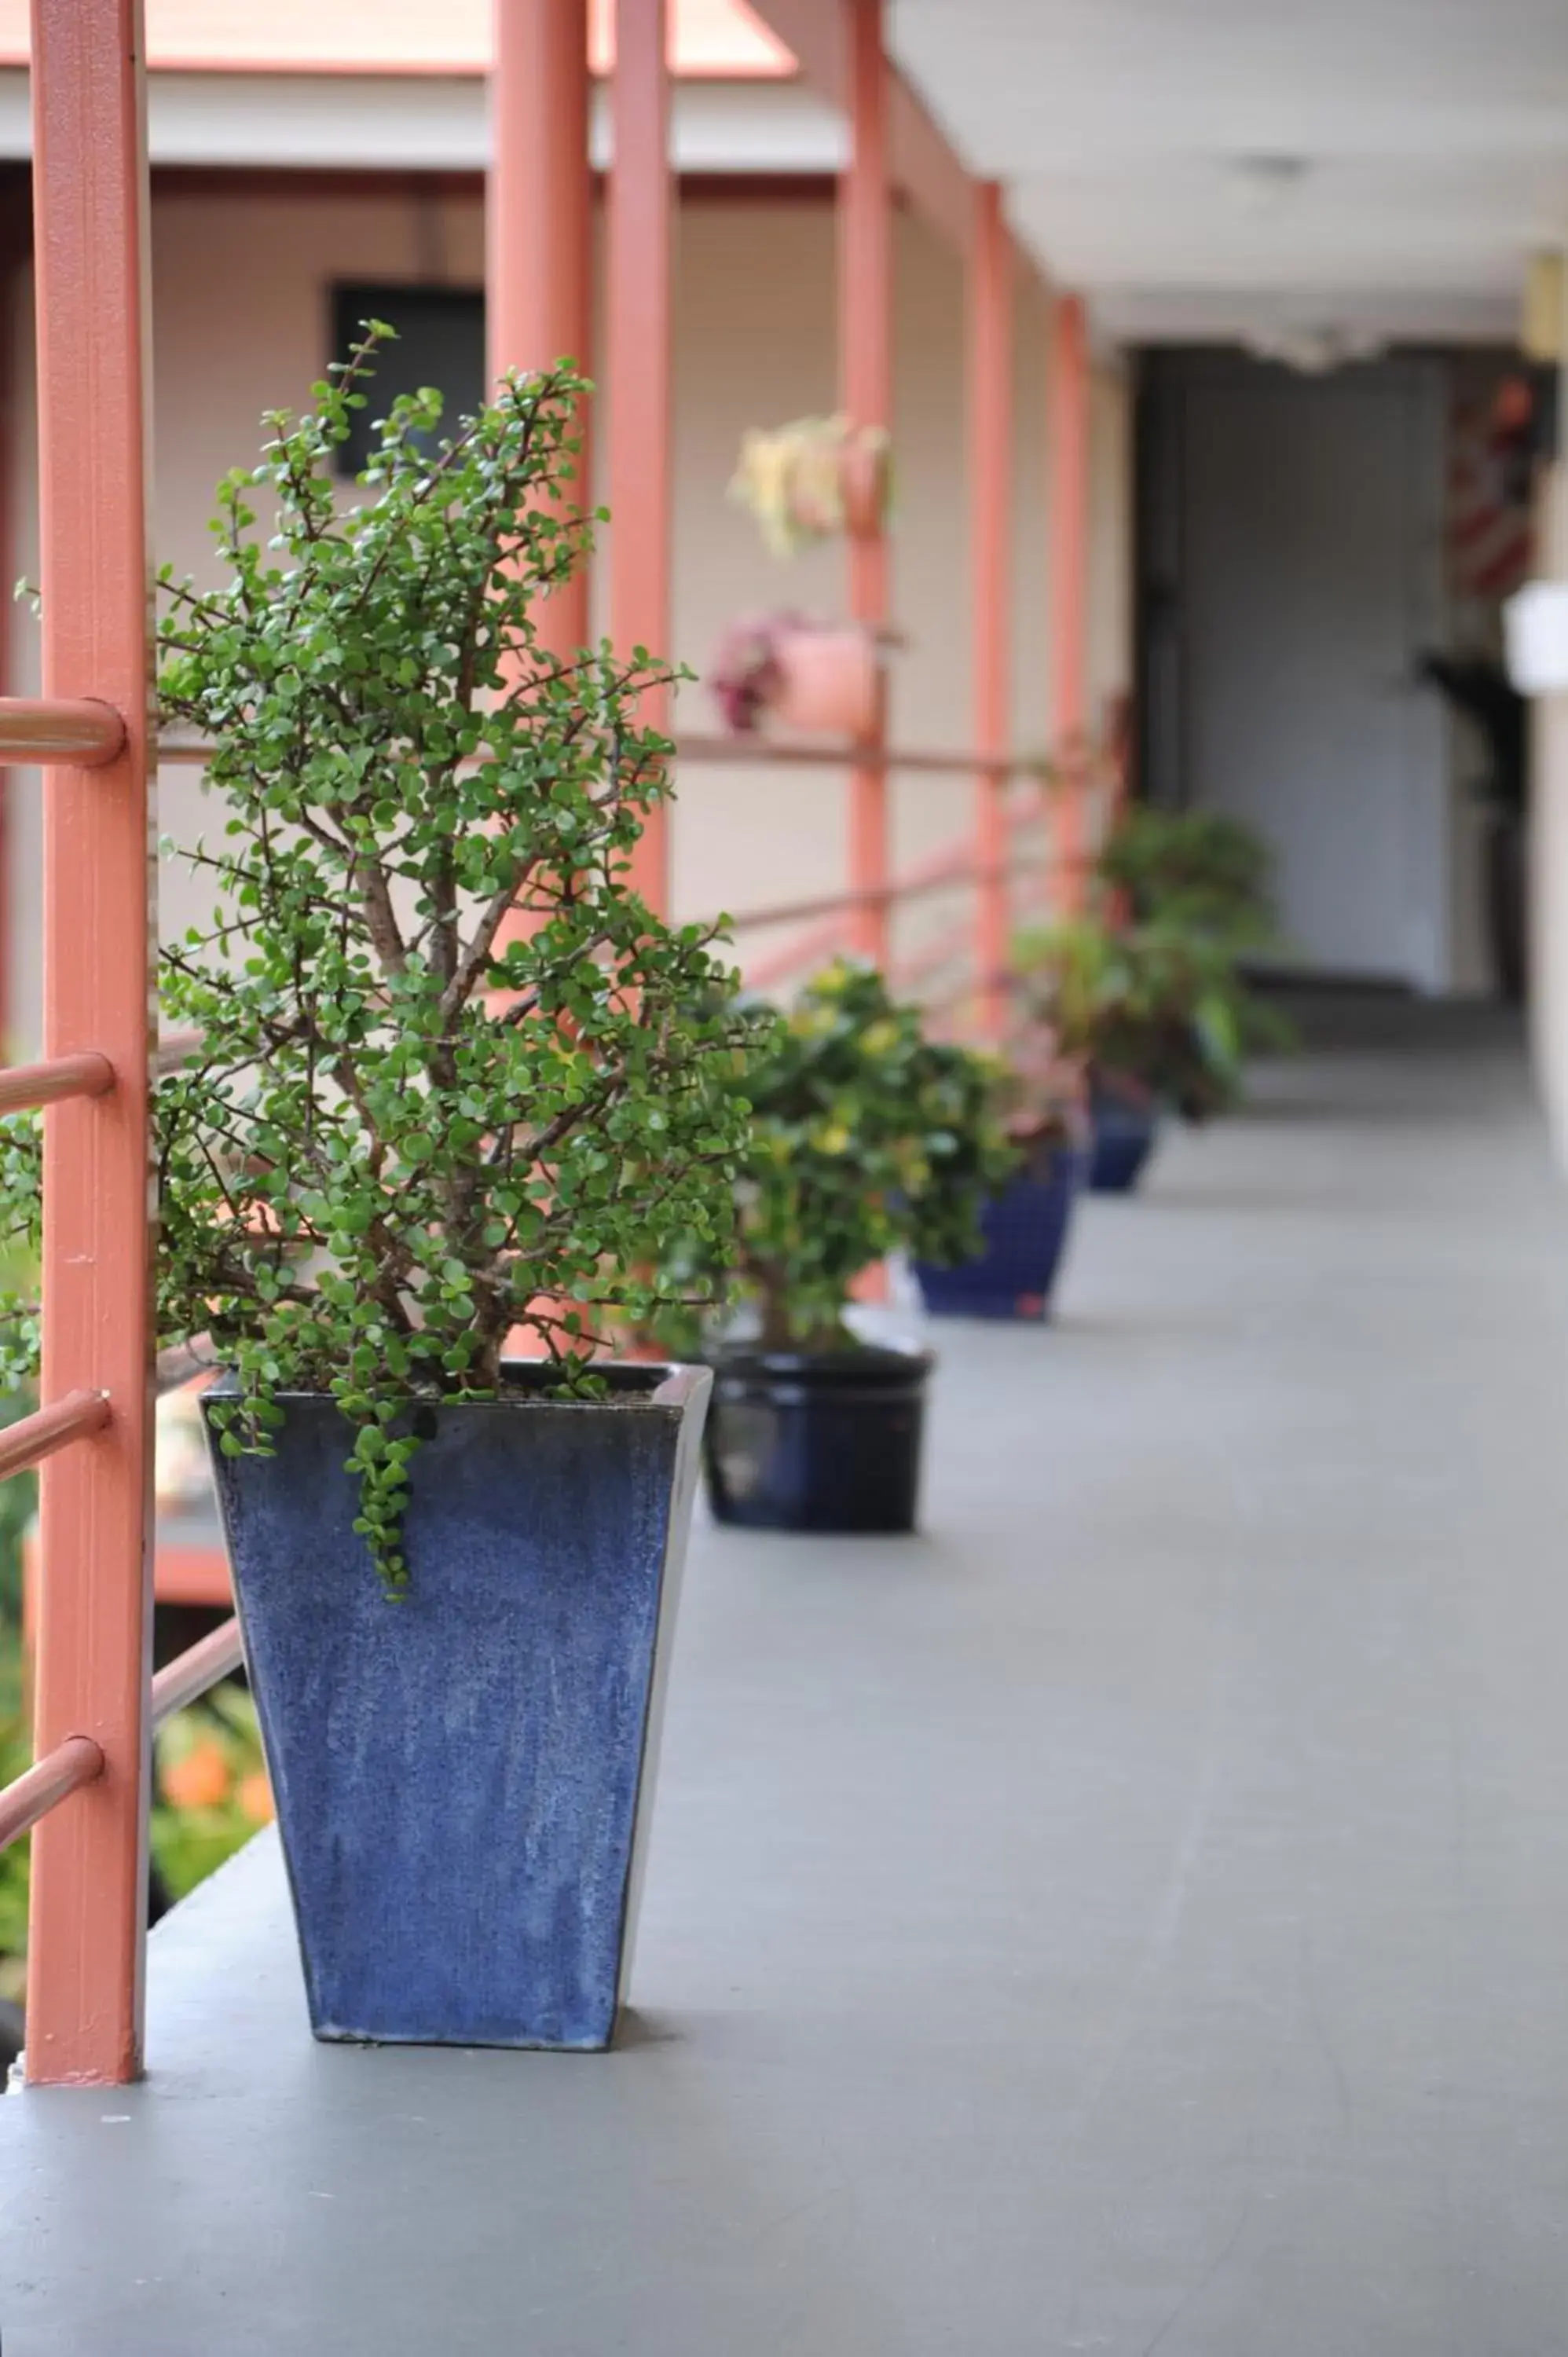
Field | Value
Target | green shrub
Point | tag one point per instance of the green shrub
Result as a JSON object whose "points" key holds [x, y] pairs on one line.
{"points": [[1156, 1004], [1196, 870], [867, 1137], [411, 1127]]}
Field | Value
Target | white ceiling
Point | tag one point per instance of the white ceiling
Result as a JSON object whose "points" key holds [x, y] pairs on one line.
{"points": [[1436, 134]]}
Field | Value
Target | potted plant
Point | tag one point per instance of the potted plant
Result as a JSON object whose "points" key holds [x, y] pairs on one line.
{"points": [[1197, 875], [1152, 1016], [1024, 1223], [812, 678], [813, 478], [455, 1080], [1201, 871], [867, 1138]]}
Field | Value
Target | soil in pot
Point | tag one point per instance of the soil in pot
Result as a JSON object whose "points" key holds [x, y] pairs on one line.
{"points": [[1026, 1229], [799, 1441], [463, 1776]]}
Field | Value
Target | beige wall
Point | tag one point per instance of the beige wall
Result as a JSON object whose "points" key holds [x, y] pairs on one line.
{"points": [[240, 295]]}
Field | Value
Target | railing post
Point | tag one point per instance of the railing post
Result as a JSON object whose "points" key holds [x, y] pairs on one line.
{"points": [[15, 246], [990, 600], [1069, 453], [866, 365], [539, 229], [86, 1943], [640, 377]]}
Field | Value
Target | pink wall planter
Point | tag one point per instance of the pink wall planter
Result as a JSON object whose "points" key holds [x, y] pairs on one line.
{"points": [[829, 683]]}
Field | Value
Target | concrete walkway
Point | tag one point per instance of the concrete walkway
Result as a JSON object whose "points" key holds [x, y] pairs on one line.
{"points": [[1132, 1918]]}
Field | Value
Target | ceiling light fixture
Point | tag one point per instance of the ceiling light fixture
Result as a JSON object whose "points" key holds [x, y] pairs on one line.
{"points": [[1312, 351]]}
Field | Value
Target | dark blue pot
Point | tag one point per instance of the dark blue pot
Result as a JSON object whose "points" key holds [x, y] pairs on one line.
{"points": [[1025, 1230], [817, 1440], [1124, 1137], [463, 1777]]}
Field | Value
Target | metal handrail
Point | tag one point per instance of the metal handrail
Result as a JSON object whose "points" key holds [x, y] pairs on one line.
{"points": [[24, 1087], [880, 896], [78, 1760], [33, 1438], [188, 1676], [48, 1782], [79, 732], [767, 752], [792, 753]]}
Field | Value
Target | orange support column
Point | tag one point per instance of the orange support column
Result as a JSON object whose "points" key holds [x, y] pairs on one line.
{"points": [[539, 232], [90, 179], [1070, 585], [639, 372], [990, 600], [866, 362]]}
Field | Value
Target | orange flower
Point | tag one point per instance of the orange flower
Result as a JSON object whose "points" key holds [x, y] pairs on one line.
{"points": [[255, 1798], [200, 1781]]}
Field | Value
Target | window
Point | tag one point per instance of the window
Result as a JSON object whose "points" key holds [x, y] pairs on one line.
{"points": [[440, 341]]}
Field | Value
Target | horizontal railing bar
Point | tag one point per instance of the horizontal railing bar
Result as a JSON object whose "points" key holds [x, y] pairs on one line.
{"points": [[75, 731], [802, 950], [932, 955], [190, 1675], [33, 1438], [48, 1782], [883, 896], [172, 1050], [174, 1366], [771, 753], [25, 1086]]}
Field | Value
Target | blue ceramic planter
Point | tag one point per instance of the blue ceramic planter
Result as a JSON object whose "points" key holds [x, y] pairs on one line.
{"points": [[463, 1777], [1025, 1230], [1125, 1136]]}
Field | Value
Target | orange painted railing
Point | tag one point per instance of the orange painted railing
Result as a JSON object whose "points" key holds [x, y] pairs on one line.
{"points": [[1089, 775], [1007, 876], [87, 1791]]}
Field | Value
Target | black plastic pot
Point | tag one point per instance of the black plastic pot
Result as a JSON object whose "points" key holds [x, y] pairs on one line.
{"points": [[804, 1440]]}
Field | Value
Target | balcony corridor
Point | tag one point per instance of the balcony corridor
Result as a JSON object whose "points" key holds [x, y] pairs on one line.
{"points": [[1133, 1917]]}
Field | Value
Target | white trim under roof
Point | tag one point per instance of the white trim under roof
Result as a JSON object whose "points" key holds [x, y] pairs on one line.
{"points": [[436, 124], [721, 38]]}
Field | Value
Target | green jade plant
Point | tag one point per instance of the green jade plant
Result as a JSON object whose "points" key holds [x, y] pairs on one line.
{"points": [[454, 1076], [1202, 871], [1154, 1003], [867, 1137]]}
